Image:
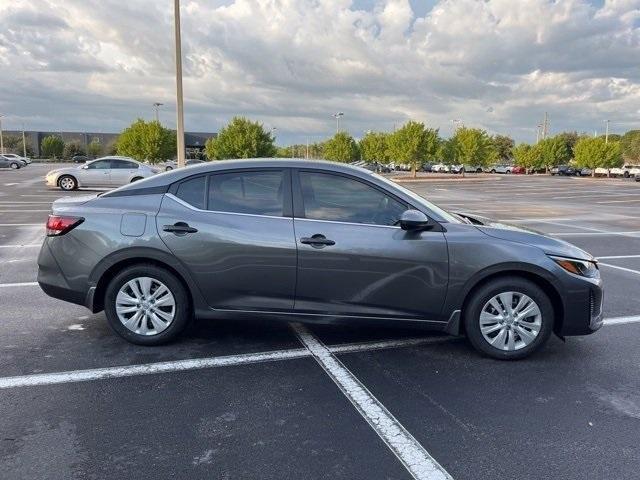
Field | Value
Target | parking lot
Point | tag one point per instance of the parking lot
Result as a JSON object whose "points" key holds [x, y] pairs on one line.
{"points": [[256, 399]]}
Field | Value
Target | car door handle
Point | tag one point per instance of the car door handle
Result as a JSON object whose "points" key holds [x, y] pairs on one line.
{"points": [[179, 228], [317, 240]]}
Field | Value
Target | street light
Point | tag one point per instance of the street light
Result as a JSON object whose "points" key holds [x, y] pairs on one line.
{"points": [[156, 105], [24, 143], [179, 99], [606, 135], [337, 117], [1, 140]]}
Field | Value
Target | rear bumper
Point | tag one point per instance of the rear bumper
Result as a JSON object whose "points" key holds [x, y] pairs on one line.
{"points": [[53, 282]]}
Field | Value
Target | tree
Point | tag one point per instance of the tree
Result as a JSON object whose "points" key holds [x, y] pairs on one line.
{"points": [[595, 152], [553, 151], [52, 146], [413, 144], [630, 146], [504, 146], [474, 147], [570, 139], [526, 156], [341, 148], [71, 149], [241, 138], [373, 147], [147, 141], [448, 151], [94, 149], [13, 144]]}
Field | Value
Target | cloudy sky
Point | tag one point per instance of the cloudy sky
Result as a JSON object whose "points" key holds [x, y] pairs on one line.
{"points": [[495, 64]]}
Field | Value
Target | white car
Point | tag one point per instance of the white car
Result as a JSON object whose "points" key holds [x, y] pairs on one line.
{"points": [[625, 171], [499, 169], [109, 172], [13, 156], [440, 168]]}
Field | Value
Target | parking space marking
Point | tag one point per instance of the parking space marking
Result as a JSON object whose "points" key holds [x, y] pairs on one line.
{"points": [[22, 246], [21, 284], [620, 201], [624, 269], [31, 225], [74, 376], [22, 210], [596, 233], [622, 320], [420, 464], [612, 257]]}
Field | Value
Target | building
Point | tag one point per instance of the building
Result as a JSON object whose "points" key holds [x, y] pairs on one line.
{"points": [[194, 141]]}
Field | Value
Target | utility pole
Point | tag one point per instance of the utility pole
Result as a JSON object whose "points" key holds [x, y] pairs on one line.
{"points": [[337, 117], [1, 140], [307, 155], [24, 143], [538, 133], [156, 105], [545, 126], [179, 98], [606, 134]]}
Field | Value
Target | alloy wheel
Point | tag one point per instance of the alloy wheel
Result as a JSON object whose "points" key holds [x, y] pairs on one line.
{"points": [[145, 306], [510, 321], [67, 183]]}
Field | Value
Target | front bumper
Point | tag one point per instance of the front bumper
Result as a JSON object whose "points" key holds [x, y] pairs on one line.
{"points": [[583, 308]]}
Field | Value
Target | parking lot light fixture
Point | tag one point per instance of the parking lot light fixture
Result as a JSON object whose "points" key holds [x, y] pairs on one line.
{"points": [[337, 117], [1, 140]]}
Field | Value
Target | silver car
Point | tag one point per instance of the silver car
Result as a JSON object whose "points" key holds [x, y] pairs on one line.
{"points": [[13, 156], [105, 172]]}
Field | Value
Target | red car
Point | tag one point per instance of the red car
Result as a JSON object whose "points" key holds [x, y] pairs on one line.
{"points": [[518, 170]]}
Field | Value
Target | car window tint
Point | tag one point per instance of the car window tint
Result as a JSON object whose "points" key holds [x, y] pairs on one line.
{"points": [[192, 192], [123, 164], [100, 164], [341, 199], [258, 193]]}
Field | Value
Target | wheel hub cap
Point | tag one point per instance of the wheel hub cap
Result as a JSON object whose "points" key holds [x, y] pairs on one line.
{"points": [[510, 321], [145, 306]]}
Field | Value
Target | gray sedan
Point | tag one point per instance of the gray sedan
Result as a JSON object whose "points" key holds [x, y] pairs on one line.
{"points": [[102, 172], [311, 241]]}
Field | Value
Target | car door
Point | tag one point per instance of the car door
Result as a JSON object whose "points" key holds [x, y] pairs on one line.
{"points": [[122, 171], [96, 174], [354, 260], [234, 231]]}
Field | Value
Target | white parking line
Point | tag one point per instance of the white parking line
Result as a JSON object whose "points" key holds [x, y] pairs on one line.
{"points": [[620, 201], [611, 257], [31, 225], [22, 210], [596, 233], [409, 451], [22, 284], [74, 376], [622, 320], [21, 246], [637, 272]]}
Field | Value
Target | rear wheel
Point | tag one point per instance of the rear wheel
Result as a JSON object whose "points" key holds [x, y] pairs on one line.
{"points": [[14, 166], [67, 182], [147, 305], [509, 318], [136, 179], [167, 169], [493, 170]]}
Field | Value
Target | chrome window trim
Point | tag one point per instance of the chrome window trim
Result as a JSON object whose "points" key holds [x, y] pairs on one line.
{"points": [[196, 209], [345, 223]]}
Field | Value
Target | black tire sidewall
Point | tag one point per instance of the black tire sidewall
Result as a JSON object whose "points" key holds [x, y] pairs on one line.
{"points": [[183, 308], [481, 297]]}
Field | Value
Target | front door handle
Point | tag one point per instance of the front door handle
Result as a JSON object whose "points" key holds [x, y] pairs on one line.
{"points": [[179, 228], [318, 240]]}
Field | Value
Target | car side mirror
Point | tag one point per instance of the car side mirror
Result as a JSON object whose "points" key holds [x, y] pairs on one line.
{"points": [[414, 220]]}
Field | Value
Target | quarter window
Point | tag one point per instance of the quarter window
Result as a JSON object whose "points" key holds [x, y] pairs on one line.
{"points": [[257, 193], [192, 191], [342, 199]]}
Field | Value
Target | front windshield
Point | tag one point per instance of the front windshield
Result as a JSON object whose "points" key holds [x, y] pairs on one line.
{"points": [[443, 214]]}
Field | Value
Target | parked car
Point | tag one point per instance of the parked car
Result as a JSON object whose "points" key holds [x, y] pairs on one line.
{"points": [[102, 172], [518, 170], [80, 159], [426, 167], [500, 169], [12, 163], [172, 164], [440, 168], [583, 172], [13, 156], [312, 240], [602, 172], [637, 177], [457, 169], [564, 170], [625, 171]]}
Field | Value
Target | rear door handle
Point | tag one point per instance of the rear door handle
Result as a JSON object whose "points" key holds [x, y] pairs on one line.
{"points": [[317, 240], [179, 228]]}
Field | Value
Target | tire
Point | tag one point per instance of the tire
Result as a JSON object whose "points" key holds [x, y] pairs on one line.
{"points": [[508, 172], [168, 169], [136, 179], [493, 170], [176, 305], [578, 173], [14, 166], [626, 175], [479, 303], [67, 183]]}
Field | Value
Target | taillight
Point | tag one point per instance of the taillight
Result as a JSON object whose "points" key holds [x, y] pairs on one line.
{"points": [[59, 225]]}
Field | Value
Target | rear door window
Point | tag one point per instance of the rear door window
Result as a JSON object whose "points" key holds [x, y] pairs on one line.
{"points": [[192, 191], [251, 192]]}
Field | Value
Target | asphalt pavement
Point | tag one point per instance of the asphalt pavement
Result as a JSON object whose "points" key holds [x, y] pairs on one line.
{"points": [[245, 399]]}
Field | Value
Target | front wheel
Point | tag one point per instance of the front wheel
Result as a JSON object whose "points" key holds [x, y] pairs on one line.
{"points": [[509, 318], [147, 305], [168, 169], [67, 182], [14, 166], [136, 179]]}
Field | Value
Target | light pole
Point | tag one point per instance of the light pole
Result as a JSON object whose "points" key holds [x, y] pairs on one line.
{"points": [[179, 99], [24, 143], [1, 140], [456, 122], [157, 105], [337, 117], [606, 134]]}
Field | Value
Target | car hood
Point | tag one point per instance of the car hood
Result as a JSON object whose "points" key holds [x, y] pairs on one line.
{"points": [[514, 233]]}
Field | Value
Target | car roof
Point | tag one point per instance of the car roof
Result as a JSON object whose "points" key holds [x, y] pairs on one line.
{"points": [[172, 176]]}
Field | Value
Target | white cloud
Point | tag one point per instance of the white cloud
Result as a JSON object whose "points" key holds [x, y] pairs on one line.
{"points": [[496, 64]]}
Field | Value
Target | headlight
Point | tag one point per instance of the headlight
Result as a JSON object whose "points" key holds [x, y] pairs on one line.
{"points": [[583, 268]]}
